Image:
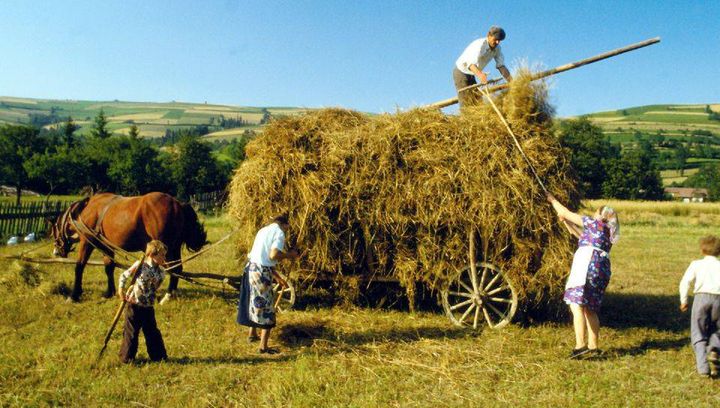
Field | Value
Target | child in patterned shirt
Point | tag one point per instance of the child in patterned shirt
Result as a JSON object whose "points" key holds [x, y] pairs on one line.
{"points": [[140, 313]]}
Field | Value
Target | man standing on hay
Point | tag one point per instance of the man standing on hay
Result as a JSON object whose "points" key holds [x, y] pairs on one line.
{"points": [[475, 57]]}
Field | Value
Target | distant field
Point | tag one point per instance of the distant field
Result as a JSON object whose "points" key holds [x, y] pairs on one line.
{"points": [[152, 119], [655, 117]]}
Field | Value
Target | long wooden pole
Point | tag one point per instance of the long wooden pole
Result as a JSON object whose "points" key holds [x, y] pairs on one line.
{"points": [[556, 70]]}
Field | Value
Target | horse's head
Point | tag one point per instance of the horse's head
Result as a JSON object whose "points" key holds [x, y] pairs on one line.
{"points": [[63, 232]]}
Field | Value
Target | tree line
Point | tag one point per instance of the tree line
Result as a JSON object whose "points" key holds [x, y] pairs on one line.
{"points": [[632, 171], [62, 162], [59, 161]]}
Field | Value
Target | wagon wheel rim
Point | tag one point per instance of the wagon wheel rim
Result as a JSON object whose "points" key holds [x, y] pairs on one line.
{"points": [[480, 296], [287, 295]]}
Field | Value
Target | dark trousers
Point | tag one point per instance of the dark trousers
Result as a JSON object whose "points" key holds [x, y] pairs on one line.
{"points": [[136, 318], [705, 328], [462, 80]]}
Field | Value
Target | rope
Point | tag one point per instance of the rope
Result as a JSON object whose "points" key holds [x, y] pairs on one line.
{"points": [[522, 152], [103, 241], [195, 255]]}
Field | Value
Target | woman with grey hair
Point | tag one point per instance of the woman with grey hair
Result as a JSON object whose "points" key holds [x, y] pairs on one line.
{"points": [[590, 272]]}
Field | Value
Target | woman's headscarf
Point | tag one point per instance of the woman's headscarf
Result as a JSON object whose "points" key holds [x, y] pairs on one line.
{"points": [[613, 223]]}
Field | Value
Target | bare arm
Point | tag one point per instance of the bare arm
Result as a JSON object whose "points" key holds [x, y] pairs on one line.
{"points": [[278, 255], [478, 73], [564, 213], [279, 279], [505, 73], [574, 229]]}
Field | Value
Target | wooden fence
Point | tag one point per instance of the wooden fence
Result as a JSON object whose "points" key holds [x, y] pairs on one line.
{"points": [[28, 217], [209, 202]]}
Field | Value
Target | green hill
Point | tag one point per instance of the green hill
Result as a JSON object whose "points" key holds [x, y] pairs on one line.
{"points": [[152, 119], [674, 121], [667, 127]]}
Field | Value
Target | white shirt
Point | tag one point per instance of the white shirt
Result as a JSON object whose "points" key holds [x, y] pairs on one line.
{"points": [[479, 53], [269, 237], [705, 273]]}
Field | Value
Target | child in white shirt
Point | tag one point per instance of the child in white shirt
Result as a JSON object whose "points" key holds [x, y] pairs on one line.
{"points": [[704, 276]]}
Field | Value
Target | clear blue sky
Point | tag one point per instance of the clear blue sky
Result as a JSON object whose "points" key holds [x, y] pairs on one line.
{"points": [[372, 56]]}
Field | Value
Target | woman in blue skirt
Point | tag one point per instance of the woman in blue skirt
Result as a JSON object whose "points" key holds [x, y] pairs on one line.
{"points": [[256, 306]]}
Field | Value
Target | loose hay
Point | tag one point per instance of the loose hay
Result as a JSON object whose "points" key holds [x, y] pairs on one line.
{"points": [[396, 195]]}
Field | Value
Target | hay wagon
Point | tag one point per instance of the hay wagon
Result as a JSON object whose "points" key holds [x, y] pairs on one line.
{"points": [[403, 199], [421, 197], [479, 294]]}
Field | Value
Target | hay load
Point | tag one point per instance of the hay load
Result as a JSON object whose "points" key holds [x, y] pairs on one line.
{"points": [[400, 195]]}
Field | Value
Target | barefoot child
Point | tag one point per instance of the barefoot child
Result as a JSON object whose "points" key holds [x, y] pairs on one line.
{"points": [[256, 306], [704, 276], [140, 313], [590, 272]]}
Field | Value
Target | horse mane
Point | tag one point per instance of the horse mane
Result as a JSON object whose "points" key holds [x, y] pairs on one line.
{"points": [[78, 206]]}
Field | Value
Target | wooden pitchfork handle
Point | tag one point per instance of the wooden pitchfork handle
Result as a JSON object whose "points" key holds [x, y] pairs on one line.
{"points": [[120, 308], [279, 298]]}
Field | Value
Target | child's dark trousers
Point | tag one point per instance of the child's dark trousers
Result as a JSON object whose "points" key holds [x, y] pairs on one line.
{"points": [[136, 318]]}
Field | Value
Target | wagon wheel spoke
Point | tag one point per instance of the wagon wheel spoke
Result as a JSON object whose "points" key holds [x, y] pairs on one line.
{"points": [[492, 282], [484, 274], [464, 285], [463, 294], [494, 301], [474, 279], [475, 320], [500, 314], [284, 296], [496, 290], [487, 317], [461, 304], [467, 312]]}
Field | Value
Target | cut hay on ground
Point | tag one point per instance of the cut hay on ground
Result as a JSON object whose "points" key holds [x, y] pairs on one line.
{"points": [[396, 195]]}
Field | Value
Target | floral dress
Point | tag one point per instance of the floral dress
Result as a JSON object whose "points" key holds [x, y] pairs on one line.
{"points": [[590, 272], [256, 305]]}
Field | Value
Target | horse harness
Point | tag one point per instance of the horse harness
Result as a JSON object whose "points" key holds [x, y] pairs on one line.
{"points": [[101, 215]]}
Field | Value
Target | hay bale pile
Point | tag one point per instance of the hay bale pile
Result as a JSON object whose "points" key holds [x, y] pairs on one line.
{"points": [[397, 194]]}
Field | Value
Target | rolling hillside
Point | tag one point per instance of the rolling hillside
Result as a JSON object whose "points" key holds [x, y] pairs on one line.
{"points": [[666, 127], [671, 120], [151, 118]]}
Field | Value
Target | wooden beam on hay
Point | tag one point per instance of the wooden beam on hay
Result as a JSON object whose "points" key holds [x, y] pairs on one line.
{"points": [[556, 70]]}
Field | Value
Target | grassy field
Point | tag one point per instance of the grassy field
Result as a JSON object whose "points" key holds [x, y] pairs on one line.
{"points": [[152, 119], [349, 356], [651, 118]]}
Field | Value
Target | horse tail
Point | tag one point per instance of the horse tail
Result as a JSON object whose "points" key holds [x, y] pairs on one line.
{"points": [[194, 234]]}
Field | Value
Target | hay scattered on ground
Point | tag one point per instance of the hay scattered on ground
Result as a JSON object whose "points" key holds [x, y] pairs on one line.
{"points": [[396, 195]]}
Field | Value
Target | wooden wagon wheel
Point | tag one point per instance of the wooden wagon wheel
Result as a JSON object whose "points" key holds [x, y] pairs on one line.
{"points": [[480, 292], [284, 297]]}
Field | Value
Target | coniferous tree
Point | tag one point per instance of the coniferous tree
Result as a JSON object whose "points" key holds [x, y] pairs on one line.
{"points": [[68, 131], [100, 129]]}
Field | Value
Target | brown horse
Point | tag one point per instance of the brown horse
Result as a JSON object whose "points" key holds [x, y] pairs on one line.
{"points": [[128, 223]]}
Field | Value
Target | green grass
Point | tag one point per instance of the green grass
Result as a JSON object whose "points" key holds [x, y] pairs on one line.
{"points": [[348, 356]]}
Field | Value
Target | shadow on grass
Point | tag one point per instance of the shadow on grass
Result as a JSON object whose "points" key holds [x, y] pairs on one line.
{"points": [[249, 359], [661, 312], [307, 333], [648, 345]]}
